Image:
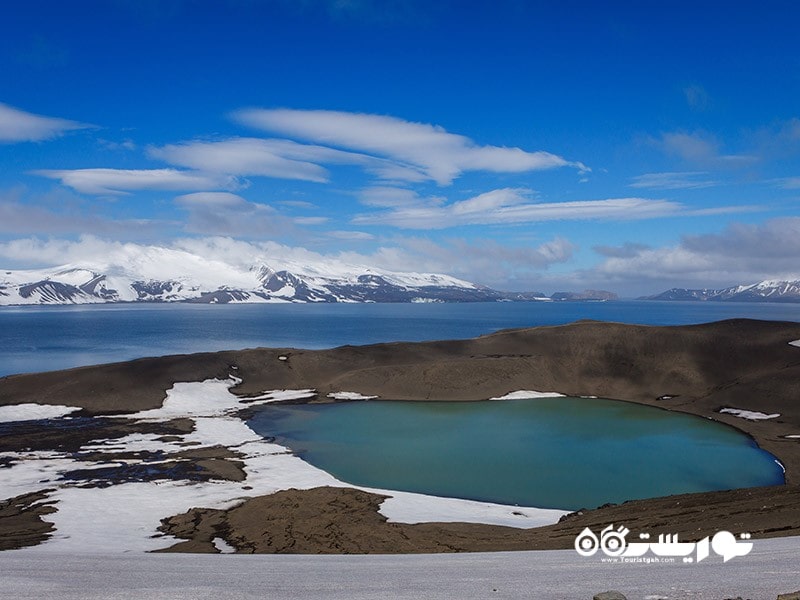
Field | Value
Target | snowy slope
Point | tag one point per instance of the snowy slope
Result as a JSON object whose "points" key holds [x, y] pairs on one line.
{"points": [[763, 291], [155, 274]]}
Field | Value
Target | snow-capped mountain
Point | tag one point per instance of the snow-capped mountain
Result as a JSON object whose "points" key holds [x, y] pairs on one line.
{"points": [[764, 291], [155, 274]]}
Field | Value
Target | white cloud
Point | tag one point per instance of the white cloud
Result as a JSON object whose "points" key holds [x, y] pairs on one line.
{"points": [[742, 253], [88, 249], [122, 181], [674, 181], [246, 156], [510, 206], [419, 148], [279, 158], [482, 261], [485, 262], [20, 126], [489, 202]]}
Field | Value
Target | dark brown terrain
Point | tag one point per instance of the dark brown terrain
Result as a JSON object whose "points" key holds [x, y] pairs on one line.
{"points": [[700, 369]]}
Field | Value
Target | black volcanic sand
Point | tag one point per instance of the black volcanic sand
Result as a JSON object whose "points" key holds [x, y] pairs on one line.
{"points": [[698, 369]]}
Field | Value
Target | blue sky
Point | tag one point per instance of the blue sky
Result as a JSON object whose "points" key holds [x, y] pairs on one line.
{"points": [[628, 146]]}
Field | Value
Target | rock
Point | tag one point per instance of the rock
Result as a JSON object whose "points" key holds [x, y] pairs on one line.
{"points": [[610, 595], [792, 596]]}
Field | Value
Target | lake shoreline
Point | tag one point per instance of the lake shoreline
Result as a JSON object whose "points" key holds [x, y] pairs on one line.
{"points": [[741, 364]]}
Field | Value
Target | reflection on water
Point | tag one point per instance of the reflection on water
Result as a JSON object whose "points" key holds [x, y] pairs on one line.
{"points": [[564, 453]]}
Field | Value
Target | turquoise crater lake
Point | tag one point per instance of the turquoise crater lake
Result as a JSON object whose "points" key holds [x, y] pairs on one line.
{"points": [[563, 453]]}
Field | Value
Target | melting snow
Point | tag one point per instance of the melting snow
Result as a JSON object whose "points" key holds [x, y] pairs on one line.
{"points": [[350, 396], [750, 415], [795, 343], [223, 546], [33, 412], [526, 394], [124, 517]]}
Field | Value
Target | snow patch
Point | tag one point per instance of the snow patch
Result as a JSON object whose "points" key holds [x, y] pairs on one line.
{"points": [[124, 517], [528, 394], [223, 546], [350, 396], [750, 415], [407, 507], [33, 412], [795, 343]]}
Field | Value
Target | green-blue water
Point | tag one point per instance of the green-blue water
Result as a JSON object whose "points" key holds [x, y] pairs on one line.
{"points": [[564, 453]]}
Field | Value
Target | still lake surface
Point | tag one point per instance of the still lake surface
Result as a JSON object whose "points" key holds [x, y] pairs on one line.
{"points": [[58, 337], [566, 453]]}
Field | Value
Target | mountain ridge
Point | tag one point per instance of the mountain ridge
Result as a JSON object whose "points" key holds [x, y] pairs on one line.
{"points": [[169, 275], [769, 290]]}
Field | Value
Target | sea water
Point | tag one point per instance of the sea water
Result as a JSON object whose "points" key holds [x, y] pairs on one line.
{"points": [[566, 453], [58, 337]]}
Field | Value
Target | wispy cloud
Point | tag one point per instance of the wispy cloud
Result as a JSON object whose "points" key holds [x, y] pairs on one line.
{"points": [[60, 214], [479, 260], [417, 148], [123, 181], [350, 235], [310, 220], [696, 97], [20, 126], [701, 148], [511, 206], [674, 181], [278, 158], [224, 213], [297, 204], [788, 183], [249, 156], [779, 140], [627, 250], [388, 196]]}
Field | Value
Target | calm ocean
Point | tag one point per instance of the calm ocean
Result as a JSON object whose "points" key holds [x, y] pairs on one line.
{"points": [[55, 337]]}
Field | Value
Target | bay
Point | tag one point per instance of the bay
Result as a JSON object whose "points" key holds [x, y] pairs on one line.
{"points": [[48, 338]]}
